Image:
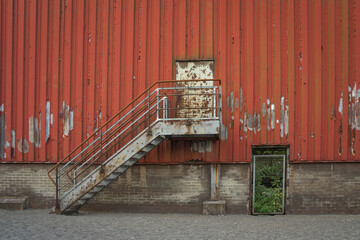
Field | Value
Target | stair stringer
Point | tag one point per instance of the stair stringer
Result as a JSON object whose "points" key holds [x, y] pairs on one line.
{"points": [[161, 128]]}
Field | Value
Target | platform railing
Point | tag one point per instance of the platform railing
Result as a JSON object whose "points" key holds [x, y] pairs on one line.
{"points": [[173, 100]]}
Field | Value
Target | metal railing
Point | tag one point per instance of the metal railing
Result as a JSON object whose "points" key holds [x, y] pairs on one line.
{"points": [[163, 101]]}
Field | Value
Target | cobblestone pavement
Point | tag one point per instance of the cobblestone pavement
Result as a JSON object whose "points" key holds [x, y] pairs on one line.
{"points": [[39, 224]]}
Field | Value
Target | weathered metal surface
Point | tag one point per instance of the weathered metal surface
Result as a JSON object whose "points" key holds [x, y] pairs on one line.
{"points": [[296, 60], [195, 98]]}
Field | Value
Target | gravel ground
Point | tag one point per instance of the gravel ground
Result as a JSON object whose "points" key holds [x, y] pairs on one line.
{"points": [[39, 224]]}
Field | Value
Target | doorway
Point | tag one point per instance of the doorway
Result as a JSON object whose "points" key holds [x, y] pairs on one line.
{"points": [[268, 181]]}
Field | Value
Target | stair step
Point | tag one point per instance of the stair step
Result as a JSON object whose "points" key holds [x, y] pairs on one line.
{"points": [[157, 140], [72, 210], [139, 155], [112, 176], [95, 189], [130, 162], [87, 196], [148, 148], [82, 202], [121, 169]]}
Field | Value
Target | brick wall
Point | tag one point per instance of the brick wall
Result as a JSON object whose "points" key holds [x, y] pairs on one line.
{"points": [[312, 188], [155, 188], [234, 187], [173, 188], [28, 180], [324, 188]]}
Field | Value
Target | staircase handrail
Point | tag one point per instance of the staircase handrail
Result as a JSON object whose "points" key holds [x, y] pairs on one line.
{"points": [[56, 166]]}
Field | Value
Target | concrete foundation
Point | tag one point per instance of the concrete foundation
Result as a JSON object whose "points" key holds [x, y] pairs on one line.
{"points": [[14, 202], [214, 207]]}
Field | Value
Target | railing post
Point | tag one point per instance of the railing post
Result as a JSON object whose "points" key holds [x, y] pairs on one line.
{"points": [[220, 105], [214, 101], [75, 176], [57, 204], [101, 152], [148, 120], [165, 99], [157, 104]]}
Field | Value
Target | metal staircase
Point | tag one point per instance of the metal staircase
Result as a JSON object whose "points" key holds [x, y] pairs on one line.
{"points": [[188, 108]]}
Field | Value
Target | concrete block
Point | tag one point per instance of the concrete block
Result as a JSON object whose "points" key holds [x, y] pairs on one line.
{"points": [[14, 202], [214, 207]]}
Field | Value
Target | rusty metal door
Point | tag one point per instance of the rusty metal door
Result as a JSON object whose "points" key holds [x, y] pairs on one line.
{"points": [[195, 103]]}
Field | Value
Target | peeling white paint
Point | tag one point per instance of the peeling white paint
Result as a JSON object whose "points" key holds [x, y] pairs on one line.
{"points": [[37, 132], [2, 108], [23, 145], [6, 143], [263, 109], [71, 120], [245, 122], [250, 122], [232, 102], [65, 112], [286, 120], [12, 139], [223, 132], [241, 99], [340, 109], [354, 108], [47, 121], [236, 103], [51, 119], [268, 119], [354, 90], [257, 122], [31, 129]]}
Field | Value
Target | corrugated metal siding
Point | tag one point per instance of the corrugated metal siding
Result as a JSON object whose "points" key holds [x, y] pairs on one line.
{"points": [[289, 72]]}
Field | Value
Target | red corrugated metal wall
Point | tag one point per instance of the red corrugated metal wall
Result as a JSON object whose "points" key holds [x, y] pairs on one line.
{"points": [[288, 70]]}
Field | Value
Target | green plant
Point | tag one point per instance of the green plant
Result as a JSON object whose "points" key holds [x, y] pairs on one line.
{"points": [[268, 186]]}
